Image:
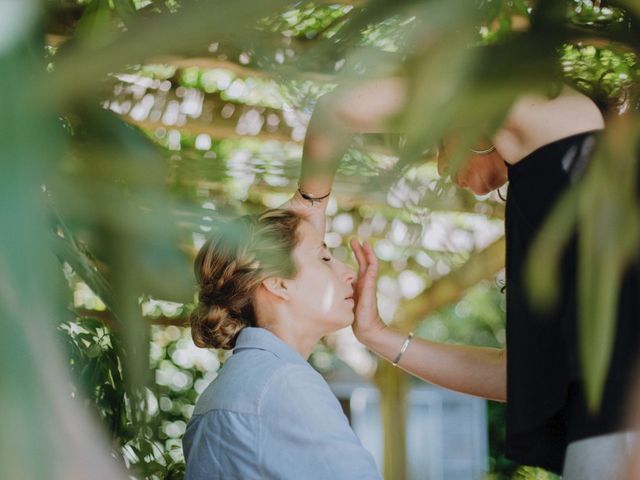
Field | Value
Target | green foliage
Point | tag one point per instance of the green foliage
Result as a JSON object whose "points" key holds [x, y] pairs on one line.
{"points": [[606, 74], [477, 319], [307, 20], [95, 357], [501, 468], [124, 205], [532, 473]]}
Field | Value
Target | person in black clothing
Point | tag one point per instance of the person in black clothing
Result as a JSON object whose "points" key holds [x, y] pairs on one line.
{"points": [[542, 149]]}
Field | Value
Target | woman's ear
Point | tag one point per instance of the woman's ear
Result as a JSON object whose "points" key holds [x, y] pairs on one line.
{"points": [[276, 286]]}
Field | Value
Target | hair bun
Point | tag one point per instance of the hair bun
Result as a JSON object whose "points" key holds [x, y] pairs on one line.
{"points": [[229, 268], [213, 326]]}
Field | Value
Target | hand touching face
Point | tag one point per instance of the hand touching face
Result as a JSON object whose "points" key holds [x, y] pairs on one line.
{"points": [[367, 319]]}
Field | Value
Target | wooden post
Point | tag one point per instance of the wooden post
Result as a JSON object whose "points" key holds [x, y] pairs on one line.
{"points": [[393, 386]]}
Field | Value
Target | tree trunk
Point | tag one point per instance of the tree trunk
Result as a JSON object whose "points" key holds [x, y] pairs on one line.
{"points": [[393, 386]]}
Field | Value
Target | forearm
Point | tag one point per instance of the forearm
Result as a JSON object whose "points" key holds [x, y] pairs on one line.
{"points": [[478, 371], [325, 144], [365, 107]]}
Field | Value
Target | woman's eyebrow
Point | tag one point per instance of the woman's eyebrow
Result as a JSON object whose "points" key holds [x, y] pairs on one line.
{"points": [[323, 245]]}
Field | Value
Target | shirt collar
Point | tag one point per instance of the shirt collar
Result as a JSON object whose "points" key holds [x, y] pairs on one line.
{"points": [[263, 339]]}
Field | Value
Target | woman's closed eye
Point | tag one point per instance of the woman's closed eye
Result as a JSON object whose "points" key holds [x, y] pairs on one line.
{"points": [[326, 259]]}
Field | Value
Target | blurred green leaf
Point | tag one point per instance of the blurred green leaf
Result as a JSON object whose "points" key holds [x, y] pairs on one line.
{"points": [[95, 21], [608, 242]]}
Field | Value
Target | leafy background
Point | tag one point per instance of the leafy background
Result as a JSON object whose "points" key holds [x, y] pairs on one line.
{"points": [[130, 127]]}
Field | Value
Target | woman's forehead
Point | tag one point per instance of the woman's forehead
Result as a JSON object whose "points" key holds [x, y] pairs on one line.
{"points": [[310, 237]]}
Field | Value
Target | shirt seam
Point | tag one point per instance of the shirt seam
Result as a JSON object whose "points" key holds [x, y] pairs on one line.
{"points": [[279, 372], [227, 410]]}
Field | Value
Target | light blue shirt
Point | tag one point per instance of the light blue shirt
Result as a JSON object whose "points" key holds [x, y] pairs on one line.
{"points": [[269, 415]]}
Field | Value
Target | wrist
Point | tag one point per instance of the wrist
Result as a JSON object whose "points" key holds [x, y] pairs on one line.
{"points": [[370, 335], [317, 204]]}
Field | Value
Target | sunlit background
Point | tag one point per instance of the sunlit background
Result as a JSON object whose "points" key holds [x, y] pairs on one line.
{"points": [[130, 127]]}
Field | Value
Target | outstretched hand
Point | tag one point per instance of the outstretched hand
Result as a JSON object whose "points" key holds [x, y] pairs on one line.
{"points": [[367, 319]]}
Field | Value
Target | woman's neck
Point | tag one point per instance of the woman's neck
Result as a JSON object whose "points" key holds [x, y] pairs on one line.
{"points": [[303, 343], [291, 329], [536, 120]]}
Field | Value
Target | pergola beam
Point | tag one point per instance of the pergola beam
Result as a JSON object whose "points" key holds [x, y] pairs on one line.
{"points": [[450, 288]]}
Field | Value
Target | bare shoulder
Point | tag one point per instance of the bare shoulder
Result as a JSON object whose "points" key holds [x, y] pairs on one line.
{"points": [[536, 120]]}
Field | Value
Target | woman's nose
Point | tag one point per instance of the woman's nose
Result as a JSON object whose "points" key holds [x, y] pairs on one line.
{"points": [[350, 274]]}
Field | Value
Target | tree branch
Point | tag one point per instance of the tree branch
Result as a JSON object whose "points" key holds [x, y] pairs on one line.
{"points": [[451, 287]]}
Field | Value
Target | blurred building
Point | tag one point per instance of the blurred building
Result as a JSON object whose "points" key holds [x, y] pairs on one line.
{"points": [[447, 434]]}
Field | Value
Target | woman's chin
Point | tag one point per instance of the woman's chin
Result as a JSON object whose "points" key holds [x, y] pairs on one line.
{"points": [[344, 321], [350, 319]]}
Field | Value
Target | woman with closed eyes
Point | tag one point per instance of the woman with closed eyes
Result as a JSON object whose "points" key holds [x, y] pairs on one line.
{"points": [[270, 289]]}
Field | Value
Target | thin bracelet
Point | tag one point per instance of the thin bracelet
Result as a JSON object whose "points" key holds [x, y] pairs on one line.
{"points": [[406, 343], [306, 196], [485, 151]]}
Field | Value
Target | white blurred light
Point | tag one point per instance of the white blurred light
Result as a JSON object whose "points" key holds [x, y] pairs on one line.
{"points": [[332, 207], [461, 240], [388, 286], [192, 104], [298, 133], [200, 385], [442, 268], [434, 236], [198, 240], [141, 110], [424, 259], [343, 223], [173, 140], [182, 359], [411, 284], [399, 231], [175, 429], [172, 332], [384, 250], [170, 116], [333, 239], [250, 123], [180, 380], [203, 142], [235, 89], [152, 403]]}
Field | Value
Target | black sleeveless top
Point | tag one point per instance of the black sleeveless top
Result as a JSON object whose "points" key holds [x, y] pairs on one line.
{"points": [[546, 408]]}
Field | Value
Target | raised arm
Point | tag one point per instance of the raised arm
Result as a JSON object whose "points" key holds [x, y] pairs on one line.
{"points": [[478, 371], [366, 107]]}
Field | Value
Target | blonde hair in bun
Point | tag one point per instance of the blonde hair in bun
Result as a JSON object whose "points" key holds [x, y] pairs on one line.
{"points": [[229, 268]]}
